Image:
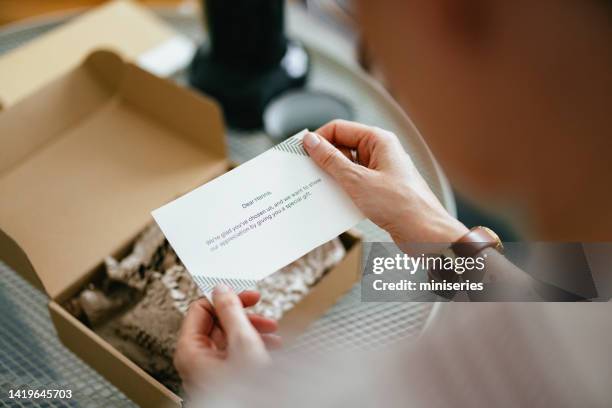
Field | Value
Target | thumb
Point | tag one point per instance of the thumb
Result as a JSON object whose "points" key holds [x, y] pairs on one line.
{"points": [[328, 157], [244, 343]]}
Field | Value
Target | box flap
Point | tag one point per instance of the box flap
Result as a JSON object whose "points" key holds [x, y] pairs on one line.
{"points": [[124, 26], [86, 158]]}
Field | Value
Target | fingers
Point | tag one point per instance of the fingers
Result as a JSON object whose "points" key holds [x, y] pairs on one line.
{"points": [[194, 347], [263, 324], [260, 323], [272, 341], [200, 316], [348, 153], [218, 338], [203, 344], [244, 343], [249, 297], [359, 137], [351, 135], [199, 319], [345, 133], [330, 159], [265, 327]]}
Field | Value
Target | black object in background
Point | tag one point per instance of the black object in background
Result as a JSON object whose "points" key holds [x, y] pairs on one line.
{"points": [[248, 59], [293, 111]]}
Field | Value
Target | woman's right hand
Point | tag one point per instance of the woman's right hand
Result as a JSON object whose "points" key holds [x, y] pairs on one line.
{"points": [[372, 167]]}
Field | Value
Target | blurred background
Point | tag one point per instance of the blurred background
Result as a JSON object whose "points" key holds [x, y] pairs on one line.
{"points": [[15, 10], [336, 14], [328, 73]]}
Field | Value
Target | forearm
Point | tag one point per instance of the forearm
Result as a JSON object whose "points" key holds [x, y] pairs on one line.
{"points": [[504, 281]]}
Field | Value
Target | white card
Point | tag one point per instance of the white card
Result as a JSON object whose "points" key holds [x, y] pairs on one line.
{"points": [[252, 221]]}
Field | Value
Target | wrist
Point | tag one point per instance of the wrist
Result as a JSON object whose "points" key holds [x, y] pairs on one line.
{"points": [[443, 229], [449, 230]]}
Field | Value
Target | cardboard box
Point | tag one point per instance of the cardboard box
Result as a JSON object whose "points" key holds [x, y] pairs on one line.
{"points": [[83, 162], [123, 26]]}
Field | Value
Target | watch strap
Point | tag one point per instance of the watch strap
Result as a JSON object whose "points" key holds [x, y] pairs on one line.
{"points": [[475, 241]]}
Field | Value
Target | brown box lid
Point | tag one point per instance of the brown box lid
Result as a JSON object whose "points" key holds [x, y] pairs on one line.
{"points": [[121, 25], [87, 157]]}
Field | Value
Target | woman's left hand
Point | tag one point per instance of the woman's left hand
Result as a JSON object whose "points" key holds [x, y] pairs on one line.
{"points": [[213, 338]]}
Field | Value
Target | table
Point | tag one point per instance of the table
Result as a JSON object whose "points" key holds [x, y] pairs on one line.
{"points": [[30, 353]]}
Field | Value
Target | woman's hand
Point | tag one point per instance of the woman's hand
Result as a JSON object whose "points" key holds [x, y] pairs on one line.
{"points": [[213, 339], [372, 167]]}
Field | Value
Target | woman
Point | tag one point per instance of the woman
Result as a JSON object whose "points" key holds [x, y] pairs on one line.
{"points": [[514, 100]]}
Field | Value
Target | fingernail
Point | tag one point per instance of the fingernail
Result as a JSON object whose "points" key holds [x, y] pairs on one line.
{"points": [[311, 140], [221, 288]]}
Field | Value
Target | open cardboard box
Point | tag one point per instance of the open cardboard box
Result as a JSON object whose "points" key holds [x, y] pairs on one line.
{"points": [[83, 162]]}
